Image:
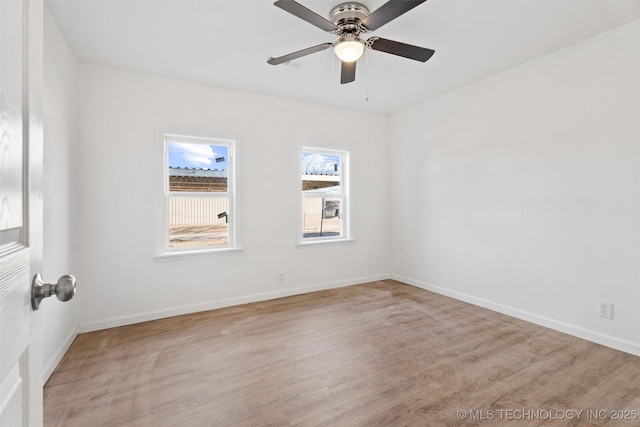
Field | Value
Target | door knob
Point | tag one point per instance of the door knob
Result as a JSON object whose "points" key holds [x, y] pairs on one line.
{"points": [[64, 290]]}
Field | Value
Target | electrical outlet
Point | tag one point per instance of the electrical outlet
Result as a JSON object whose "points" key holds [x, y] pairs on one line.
{"points": [[605, 309], [280, 277]]}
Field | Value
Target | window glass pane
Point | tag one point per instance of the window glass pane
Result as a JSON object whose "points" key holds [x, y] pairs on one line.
{"points": [[321, 217], [321, 172], [198, 221], [198, 167]]}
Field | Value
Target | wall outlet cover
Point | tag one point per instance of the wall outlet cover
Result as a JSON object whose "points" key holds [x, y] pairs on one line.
{"points": [[605, 309]]}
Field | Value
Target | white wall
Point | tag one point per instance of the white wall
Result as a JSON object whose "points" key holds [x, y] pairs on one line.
{"points": [[522, 192], [119, 115], [60, 319]]}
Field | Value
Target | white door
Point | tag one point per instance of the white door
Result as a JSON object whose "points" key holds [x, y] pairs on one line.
{"points": [[20, 210]]}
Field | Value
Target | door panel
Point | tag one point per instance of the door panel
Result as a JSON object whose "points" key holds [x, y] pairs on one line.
{"points": [[14, 308], [20, 210], [11, 123], [11, 395]]}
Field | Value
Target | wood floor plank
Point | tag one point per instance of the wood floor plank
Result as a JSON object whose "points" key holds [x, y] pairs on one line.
{"points": [[377, 354]]}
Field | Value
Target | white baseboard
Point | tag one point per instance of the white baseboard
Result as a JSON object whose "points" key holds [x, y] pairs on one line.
{"points": [[227, 302], [53, 363], [577, 331]]}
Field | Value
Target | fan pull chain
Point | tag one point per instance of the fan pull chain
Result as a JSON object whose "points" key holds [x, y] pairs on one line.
{"points": [[333, 73], [366, 74]]}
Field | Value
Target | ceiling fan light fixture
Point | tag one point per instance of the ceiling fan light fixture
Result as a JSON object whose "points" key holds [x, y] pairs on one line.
{"points": [[349, 49], [348, 21]]}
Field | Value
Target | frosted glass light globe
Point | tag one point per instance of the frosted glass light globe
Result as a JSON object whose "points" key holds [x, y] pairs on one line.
{"points": [[349, 50]]}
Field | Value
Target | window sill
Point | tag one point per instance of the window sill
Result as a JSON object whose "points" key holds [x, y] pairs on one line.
{"points": [[167, 256], [327, 242]]}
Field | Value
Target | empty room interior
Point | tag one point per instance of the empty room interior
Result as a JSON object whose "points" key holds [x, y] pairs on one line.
{"points": [[444, 231]]}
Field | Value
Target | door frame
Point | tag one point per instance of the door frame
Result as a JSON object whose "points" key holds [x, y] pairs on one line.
{"points": [[34, 134]]}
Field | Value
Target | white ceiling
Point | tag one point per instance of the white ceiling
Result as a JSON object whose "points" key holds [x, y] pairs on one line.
{"points": [[226, 43]]}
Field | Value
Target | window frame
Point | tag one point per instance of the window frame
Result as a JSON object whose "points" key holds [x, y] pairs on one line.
{"points": [[343, 197], [233, 242]]}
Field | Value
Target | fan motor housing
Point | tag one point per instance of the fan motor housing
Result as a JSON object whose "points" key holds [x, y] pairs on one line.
{"points": [[347, 16]]}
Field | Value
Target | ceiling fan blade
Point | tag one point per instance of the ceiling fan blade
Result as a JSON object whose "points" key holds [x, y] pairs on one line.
{"points": [[305, 14], [388, 12], [410, 51], [347, 72], [299, 54]]}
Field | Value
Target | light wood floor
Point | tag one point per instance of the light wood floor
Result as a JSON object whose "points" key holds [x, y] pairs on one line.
{"points": [[377, 354]]}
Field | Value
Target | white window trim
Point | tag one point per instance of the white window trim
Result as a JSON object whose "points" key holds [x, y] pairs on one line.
{"points": [[163, 251], [345, 199]]}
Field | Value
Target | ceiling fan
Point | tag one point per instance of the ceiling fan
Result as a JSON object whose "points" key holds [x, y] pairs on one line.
{"points": [[348, 21]]}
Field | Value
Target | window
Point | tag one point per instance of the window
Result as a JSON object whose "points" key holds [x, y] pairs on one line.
{"points": [[199, 193], [325, 202]]}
